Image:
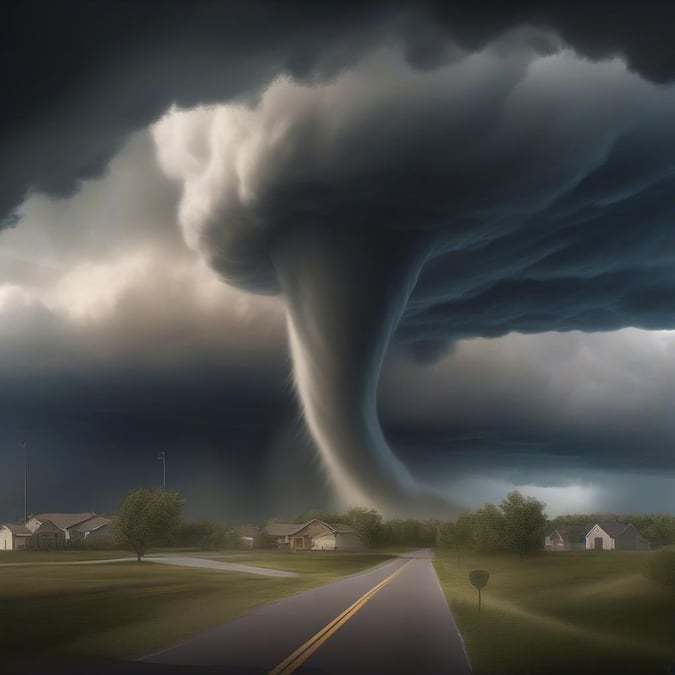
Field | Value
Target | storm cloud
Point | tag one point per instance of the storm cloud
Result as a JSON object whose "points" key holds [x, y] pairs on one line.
{"points": [[515, 188], [409, 175]]}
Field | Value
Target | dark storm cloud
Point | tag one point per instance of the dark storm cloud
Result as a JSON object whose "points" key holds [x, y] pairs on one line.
{"points": [[81, 76], [450, 172], [518, 188]]}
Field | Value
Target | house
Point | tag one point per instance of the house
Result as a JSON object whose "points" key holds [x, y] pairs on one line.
{"points": [[605, 535], [14, 537], [48, 536], [45, 535], [63, 521], [95, 530], [566, 538], [610, 535], [314, 535]]}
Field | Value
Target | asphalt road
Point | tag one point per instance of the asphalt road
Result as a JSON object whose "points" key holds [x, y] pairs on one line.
{"points": [[403, 626]]}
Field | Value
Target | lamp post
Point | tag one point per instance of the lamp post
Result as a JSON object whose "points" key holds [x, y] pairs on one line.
{"points": [[162, 456], [25, 482]]}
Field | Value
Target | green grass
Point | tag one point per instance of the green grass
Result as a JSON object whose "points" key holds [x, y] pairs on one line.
{"points": [[579, 612], [64, 555], [127, 609], [325, 566]]}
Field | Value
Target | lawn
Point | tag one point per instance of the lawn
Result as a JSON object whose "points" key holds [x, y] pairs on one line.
{"points": [[579, 612], [127, 609], [325, 566], [64, 555]]}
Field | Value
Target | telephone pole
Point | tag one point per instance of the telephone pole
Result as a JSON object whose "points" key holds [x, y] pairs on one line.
{"points": [[162, 456], [25, 482]]}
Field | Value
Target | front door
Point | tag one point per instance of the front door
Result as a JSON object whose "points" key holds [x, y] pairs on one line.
{"points": [[598, 543]]}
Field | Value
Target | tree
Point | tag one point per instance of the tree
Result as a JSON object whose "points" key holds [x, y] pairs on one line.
{"points": [[489, 529], [524, 523], [147, 517], [367, 524], [457, 534], [464, 526]]}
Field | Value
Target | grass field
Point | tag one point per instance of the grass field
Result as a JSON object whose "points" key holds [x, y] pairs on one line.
{"points": [[127, 609], [579, 612], [65, 555]]}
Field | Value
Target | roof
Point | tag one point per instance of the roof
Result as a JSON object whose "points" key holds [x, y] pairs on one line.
{"points": [[340, 527], [284, 529], [18, 529], [613, 528], [92, 524], [64, 520], [575, 533]]}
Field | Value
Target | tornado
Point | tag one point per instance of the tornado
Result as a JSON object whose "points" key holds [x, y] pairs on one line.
{"points": [[345, 293], [337, 194]]}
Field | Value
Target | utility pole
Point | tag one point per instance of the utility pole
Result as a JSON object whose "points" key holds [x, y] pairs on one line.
{"points": [[162, 456], [25, 482]]}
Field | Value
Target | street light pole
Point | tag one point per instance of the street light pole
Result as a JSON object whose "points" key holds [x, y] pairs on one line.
{"points": [[25, 482], [162, 456]]}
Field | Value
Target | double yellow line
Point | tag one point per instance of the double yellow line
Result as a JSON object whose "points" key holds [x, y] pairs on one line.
{"points": [[302, 653]]}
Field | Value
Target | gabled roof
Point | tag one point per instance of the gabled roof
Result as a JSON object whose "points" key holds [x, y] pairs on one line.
{"points": [[284, 529], [613, 528], [92, 524], [281, 529], [64, 520], [18, 529], [340, 527], [575, 533]]}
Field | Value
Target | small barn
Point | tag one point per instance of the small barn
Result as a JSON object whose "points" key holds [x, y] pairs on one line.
{"points": [[14, 537], [315, 535]]}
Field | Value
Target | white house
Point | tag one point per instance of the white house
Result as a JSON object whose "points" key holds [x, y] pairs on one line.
{"points": [[14, 537], [606, 535], [609, 535], [314, 535]]}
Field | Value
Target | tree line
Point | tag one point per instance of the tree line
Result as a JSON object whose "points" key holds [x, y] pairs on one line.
{"points": [[518, 524]]}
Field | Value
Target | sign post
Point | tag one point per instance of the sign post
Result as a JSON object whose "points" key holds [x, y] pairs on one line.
{"points": [[479, 579]]}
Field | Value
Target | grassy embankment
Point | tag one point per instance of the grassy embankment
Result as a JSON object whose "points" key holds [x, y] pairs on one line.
{"points": [[127, 609], [579, 612]]}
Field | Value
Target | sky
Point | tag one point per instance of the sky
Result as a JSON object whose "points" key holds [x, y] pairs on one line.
{"points": [[407, 256]]}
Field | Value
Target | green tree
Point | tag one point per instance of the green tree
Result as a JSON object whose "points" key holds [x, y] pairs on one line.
{"points": [[489, 529], [367, 523], [146, 518], [524, 523]]}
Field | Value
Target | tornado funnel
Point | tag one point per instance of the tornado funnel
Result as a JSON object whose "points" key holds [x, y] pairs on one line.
{"points": [[345, 292]]}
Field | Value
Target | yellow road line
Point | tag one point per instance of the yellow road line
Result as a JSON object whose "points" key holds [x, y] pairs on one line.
{"points": [[302, 653]]}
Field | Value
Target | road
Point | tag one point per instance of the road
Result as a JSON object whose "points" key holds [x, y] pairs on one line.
{"points": [[393, 619]]}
